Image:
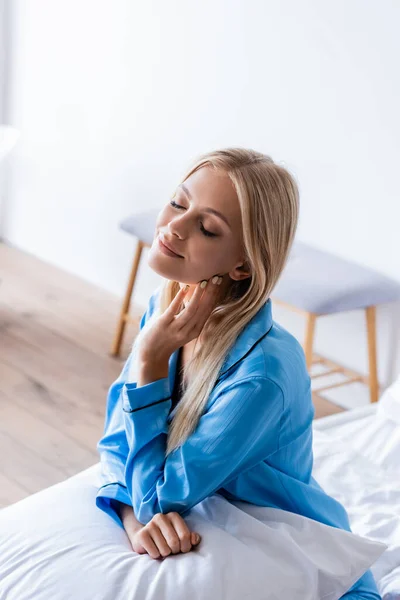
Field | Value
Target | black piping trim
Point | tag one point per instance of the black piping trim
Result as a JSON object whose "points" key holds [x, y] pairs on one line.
{"points": [[247, 353], [113, 483], [147, 405]]}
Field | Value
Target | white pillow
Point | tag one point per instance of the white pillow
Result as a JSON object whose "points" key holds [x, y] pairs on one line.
{"points": [[57, 545]]}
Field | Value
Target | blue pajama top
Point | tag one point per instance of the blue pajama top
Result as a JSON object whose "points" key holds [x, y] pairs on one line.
{"points": [[253, 442]]}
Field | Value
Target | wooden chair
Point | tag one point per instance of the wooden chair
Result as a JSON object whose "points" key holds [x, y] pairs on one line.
{"points": [[314, 283]]}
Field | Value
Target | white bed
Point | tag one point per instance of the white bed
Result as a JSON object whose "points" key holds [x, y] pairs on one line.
{"points": [[57, 545], [357, 460]]}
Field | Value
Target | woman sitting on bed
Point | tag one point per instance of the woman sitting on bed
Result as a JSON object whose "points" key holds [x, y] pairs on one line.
{"points": [[215, 396]]}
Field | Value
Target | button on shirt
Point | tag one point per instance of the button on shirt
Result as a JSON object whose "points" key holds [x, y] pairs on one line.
{"points": [[252, 443]]}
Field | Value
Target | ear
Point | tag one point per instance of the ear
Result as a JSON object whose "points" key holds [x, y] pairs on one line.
{"points": [[242, 271]]}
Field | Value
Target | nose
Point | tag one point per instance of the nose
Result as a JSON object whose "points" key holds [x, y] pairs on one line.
{"points": [[174, 228]]}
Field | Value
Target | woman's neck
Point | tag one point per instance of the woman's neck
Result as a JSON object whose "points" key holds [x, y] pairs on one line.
{"points": [[189, 349]]}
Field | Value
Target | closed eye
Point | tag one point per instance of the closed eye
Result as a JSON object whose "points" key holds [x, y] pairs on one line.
{"points": [[205, 232]]}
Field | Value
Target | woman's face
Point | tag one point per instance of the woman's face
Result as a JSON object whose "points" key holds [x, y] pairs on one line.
{"points": [[208, 244]]}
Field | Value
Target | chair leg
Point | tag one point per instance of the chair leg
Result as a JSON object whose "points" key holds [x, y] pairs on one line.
{"points": [[371, 333], [309, 339], [117, 342]]}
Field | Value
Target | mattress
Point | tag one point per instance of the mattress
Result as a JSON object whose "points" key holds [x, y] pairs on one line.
{"points": [[356, 460]]}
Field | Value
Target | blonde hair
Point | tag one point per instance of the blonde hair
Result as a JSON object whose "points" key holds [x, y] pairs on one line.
{"points": [[269, 204]]}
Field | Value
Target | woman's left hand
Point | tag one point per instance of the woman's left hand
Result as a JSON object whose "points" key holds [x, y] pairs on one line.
{"points": [[176, 327]]}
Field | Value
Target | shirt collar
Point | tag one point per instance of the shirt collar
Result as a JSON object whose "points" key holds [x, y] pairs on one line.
{"points": [[255, 330]]}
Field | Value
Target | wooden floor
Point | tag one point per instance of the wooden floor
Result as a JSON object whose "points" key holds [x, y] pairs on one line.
{"points": [[55, 371], [55, 334]]}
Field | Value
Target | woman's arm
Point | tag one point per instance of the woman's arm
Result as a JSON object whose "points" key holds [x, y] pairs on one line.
{"points": [[113, 446], [364, 588], [241, 428], [127, 516]]}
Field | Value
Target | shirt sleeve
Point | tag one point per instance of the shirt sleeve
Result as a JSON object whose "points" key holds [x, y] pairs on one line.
{"points": [[364, 588], [113, 446], [240, 429]]}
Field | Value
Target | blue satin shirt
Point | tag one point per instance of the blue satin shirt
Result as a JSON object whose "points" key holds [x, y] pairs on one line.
{"points": [[253, 442]]}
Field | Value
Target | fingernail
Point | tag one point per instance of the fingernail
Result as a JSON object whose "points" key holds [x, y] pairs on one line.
{"points": [[187, 286], [215, 279], [196, 538], [203, 284]]}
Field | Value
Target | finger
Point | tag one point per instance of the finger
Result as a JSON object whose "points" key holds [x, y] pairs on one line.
{"points": [[182, 531], [170, 534], [148, 544], [174, 311], [195, 537], [159, 540], [176, 302], [208, 300], [192, 306], [200, 307]]}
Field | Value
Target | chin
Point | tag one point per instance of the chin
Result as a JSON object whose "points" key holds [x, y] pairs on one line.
{"points": [[161, 267], [168, 268]]}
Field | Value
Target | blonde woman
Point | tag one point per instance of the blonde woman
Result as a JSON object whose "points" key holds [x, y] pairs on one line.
{"points": [[215, 396]]}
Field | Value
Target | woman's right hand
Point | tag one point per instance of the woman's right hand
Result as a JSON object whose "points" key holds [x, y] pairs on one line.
{"points": [[163, 535]]}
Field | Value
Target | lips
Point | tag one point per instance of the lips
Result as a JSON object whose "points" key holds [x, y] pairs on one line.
{"points": [[162, 240]]}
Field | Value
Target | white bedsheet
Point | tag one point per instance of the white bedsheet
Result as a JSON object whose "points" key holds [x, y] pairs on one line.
{"points": [[356, 460]]}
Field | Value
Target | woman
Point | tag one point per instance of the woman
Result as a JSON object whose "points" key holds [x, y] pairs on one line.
{"points": [[215, 396]]}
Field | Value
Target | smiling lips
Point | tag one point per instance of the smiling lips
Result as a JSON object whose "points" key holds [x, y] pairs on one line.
{"points": [[167, 250]]}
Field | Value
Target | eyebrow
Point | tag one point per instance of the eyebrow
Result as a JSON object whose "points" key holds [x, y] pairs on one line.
{"points": [[207, 209]]}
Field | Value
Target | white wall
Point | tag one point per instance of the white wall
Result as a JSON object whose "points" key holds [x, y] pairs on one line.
{"points": [[114, 99], [3, 73]]}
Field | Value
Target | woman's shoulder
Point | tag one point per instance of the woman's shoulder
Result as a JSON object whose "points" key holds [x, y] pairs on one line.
{"points": [[273, 373], [279, 357], [279, 360], [284, 359]]}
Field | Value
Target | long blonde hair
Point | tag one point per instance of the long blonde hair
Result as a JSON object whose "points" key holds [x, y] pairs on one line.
{"points": [[269, 203]]}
